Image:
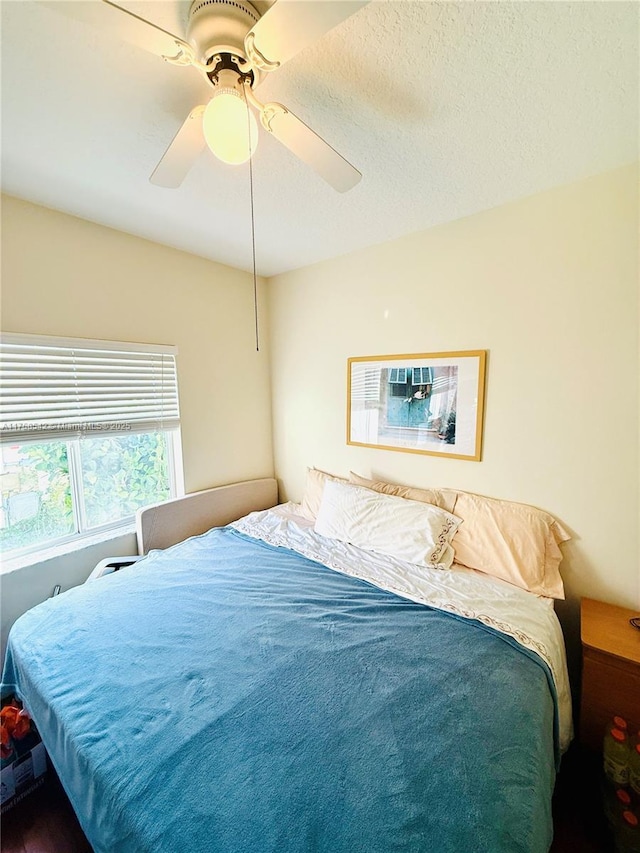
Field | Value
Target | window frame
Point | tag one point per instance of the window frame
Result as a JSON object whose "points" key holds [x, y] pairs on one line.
{"points": [[73, 435], [394, 376], [418, 374]]}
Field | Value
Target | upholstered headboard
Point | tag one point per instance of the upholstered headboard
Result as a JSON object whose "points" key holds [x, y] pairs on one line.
{"points": [[164, 524]]}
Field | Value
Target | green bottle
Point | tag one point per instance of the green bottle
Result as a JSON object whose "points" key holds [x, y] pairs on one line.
{"points": [[616, 756], [627, 834], [616, 801], [634, 769]]}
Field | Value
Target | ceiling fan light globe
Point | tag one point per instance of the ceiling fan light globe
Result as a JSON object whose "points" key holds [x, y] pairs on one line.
{"points": [[230, 128]]}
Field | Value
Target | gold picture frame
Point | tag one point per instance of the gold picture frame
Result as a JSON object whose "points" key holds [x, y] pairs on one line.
{"points": [[430, 403]]}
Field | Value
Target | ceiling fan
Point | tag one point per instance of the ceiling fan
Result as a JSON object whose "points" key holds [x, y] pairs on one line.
{"points": [[234, 47]]}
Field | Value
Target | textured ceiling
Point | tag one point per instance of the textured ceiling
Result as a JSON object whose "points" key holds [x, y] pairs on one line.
{"points": [[446, 108]]}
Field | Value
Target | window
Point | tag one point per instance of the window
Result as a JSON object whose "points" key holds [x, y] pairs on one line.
{"points": [[421, 376], [89, 432], [398, 375]]}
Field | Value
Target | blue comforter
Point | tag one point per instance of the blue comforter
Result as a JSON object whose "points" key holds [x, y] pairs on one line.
{"points": [[228, 696]]}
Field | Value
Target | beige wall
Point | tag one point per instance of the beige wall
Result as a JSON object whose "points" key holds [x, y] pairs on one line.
{"points": [[549, 286], [65, 276]]}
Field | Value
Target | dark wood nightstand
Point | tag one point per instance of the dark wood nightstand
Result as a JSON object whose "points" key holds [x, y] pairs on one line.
{"points": [[610, 669]]}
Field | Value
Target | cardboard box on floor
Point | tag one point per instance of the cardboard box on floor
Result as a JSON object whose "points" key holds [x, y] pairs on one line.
{"points": [[24, 763]]}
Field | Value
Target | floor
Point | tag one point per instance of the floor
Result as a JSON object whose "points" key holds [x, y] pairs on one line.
{"points": [[45, 823], [578, 818]]}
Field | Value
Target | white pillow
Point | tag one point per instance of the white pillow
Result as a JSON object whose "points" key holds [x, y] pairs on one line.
{"points": [[408, 530]]}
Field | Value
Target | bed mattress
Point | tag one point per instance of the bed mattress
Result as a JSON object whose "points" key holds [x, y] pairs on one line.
{"points": [[236, 694]]}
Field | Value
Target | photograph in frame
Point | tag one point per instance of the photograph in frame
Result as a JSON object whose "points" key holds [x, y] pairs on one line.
{"points": [[419, 403]]}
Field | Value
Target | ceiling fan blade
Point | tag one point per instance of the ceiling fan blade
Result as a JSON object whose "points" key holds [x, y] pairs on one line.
{"points": [[290, 25], [104, 14], [182, 153], [309, 147]]}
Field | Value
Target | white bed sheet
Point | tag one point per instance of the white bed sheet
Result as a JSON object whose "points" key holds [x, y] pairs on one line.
{"points": [[527, 618]]}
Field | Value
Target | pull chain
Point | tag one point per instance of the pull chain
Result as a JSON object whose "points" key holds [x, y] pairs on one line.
{"points": [[253, 223]]}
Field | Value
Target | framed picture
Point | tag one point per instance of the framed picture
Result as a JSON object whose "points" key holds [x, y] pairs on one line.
{"points": [[420, 403]]}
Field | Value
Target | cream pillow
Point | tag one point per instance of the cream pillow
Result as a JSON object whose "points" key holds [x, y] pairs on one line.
{"points": [[313, 489], [444, 498], [512, 541], [409, 530]]}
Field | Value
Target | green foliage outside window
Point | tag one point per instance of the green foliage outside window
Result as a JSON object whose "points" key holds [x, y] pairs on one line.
{"points": [[42, 472], [118, 474], [121, 474]]}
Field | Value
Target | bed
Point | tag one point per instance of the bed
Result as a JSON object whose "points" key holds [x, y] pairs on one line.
{"points": [[261, 687]]}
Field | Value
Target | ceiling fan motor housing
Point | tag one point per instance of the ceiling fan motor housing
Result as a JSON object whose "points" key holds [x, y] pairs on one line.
{"points": [[220, 26]]}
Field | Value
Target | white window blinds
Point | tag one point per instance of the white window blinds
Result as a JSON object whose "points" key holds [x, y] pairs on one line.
{"points": [[55, 387], [365, 383]]}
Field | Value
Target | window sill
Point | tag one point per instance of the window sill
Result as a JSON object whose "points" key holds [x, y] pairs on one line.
{"points": [[24, 560]]}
